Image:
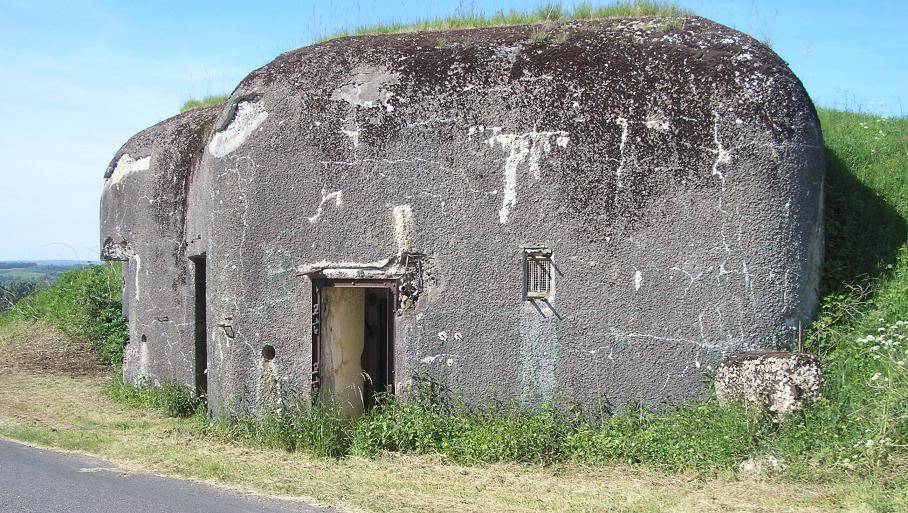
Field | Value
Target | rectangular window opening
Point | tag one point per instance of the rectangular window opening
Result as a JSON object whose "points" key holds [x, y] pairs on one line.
{"points": [[538, 273]]}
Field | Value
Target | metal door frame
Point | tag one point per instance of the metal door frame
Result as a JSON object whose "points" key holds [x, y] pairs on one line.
{"points": [[317, 300]]}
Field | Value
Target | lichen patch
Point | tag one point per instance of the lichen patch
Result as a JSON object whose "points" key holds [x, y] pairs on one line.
{"points": [[368, 88]]}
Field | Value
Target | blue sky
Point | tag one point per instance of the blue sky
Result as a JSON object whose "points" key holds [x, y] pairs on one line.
{"points": [[79, 78]]}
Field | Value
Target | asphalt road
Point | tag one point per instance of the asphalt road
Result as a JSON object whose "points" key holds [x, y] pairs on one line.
{"points": [[39, 481]]}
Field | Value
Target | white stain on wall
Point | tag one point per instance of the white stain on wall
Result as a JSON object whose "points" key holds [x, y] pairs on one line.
{"points": [[657, 121], [138, 268], [353, 135], [368, 87], [723, 156], [447, 358], [143, 359], [523, 148], [638, 280], [403, 228], [622, 122], [248, 117], [336, 196], [126, 165]]}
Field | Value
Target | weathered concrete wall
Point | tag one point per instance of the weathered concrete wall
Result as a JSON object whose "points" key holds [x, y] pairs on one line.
{"points": [[142, 223], [675, 172]]}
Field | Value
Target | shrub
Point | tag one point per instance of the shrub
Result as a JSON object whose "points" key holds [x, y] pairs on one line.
{"points": [[85, 305]]}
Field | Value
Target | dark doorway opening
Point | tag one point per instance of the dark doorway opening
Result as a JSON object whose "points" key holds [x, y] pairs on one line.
{"points": [[375, 360], [353, 316], [201, 326]]}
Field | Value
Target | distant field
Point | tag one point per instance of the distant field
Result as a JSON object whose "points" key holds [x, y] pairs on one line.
{"points": [[42, 272]]}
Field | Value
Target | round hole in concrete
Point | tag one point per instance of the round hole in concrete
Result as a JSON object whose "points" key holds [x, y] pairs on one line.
{"points": [[268, 352], [144, 338]]}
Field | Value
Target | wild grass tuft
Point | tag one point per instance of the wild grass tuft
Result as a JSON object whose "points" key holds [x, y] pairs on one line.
{"points": [[169, 399], [314, 428], [547, 13], [201, 103]]}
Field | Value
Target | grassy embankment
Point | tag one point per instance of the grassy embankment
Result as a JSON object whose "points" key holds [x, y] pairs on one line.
{"points": [[84, 306]]}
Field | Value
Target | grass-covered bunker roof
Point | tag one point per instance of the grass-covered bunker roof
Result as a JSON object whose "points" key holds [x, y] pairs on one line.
{"points": [[661, 88], [674, 165], [541, 16]]}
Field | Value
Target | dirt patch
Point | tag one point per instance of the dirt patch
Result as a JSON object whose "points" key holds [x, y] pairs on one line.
{"points": [[39, 347]]}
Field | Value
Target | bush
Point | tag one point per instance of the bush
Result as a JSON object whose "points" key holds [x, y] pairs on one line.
{"points": [[85, 305]]}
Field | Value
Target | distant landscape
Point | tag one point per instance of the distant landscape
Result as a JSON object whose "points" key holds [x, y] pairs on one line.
{"points": [[41, 272], [22, 278]]}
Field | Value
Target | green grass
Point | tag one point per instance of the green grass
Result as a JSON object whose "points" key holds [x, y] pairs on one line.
{"points": [[429, 426], [313, 428], [167, 398], [85, 305], [548, 13], [204, 102], [50, 410], [860, 336]]}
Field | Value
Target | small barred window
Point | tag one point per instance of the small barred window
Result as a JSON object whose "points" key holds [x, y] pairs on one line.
{"points": [[538, 274]]}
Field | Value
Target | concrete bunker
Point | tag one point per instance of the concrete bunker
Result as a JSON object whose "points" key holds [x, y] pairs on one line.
{"points": [[597, 218]]}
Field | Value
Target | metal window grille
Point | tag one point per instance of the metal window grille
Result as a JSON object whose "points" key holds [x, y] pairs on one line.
{"points": [[538, 275]]}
